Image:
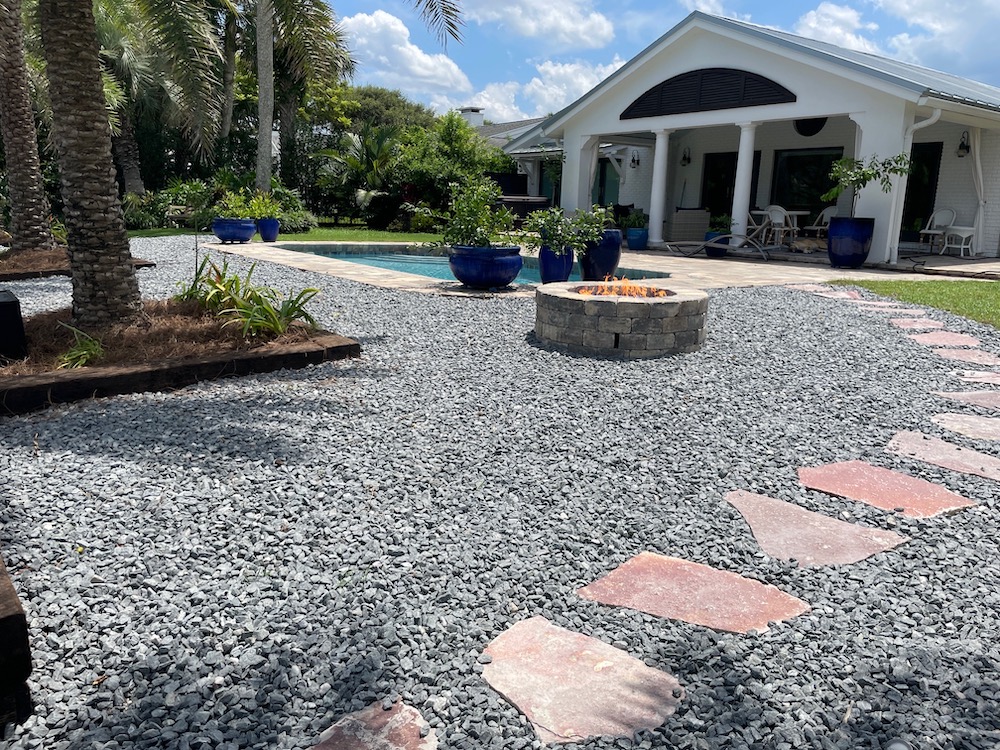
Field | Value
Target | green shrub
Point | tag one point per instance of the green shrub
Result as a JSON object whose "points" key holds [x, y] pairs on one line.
{"points": [[147, 211], [85, 350], [297, 221]]}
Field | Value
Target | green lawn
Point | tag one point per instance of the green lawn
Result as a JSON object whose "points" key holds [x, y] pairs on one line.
{"points": [[321, 234], [978, 300]]}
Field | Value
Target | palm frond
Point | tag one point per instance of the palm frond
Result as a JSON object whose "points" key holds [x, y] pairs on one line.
{"points": [[444, 17]]}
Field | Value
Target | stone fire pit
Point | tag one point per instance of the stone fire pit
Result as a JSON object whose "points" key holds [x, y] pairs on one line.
{"points": [[620, 326]]}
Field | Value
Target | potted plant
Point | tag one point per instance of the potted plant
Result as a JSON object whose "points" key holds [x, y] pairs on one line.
{"points": [[602, 246], [717, 227], [553, 234], [479, 232], [233, 222], [636, 223], [849, 238], [265, 209]]}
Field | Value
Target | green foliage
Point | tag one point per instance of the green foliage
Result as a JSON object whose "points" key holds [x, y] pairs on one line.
{"points": [[144, 211], [85, 350], [263, 206], [638, 219], [551, 228], [476, 221], [722, 223], [255, 309], [234, 204], [856, 174], [379, 107], [978, 300]]}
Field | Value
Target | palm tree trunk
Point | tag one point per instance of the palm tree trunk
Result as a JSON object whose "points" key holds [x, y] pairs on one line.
{"points": [[265, 95], [29, 206], [105, 289], [228, 77], [126, 152], [287, 109]]}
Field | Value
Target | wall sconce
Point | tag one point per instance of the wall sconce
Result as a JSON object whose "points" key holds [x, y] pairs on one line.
{"points": [[685, 156], [635, 159], [963, 146]]}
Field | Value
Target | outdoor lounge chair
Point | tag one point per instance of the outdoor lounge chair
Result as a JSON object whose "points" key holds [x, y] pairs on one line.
{"points": [[934, 231], [755, 238]]}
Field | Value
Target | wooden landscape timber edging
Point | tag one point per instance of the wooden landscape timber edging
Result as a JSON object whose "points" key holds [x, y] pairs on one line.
{"points": [[20, 394], [27, 275], [15, 655]]}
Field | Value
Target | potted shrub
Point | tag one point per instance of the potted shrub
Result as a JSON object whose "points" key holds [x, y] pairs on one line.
{"points": [[552, 233], [717, 227], [265, 209], [636, 223], [602, 246], [479, 232], [849, 238], [233, 222]]}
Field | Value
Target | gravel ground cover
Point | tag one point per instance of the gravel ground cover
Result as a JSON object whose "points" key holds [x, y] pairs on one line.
{"points": [[240, 563]]}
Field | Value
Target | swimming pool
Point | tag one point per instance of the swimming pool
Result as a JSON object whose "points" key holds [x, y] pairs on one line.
{"points": [[436, 266]]}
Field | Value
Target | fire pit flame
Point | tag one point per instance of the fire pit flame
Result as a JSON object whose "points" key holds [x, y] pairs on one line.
{"points": [[615, 287]]}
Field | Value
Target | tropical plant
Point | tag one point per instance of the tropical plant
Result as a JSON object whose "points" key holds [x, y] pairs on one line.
{"points": [[635, 219], [551, 228], [721, 223], [105, 289], [234, 204], [85, 350], [263, 206], [855, 174], [29, 206], [476, 220]]}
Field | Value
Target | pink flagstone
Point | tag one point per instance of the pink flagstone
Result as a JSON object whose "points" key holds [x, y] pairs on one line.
{"points": [[699, 594], [985, 399], [945, 338], [978, 376], [978, 428], [374, 728], [875, 305], [886, 307], [944, 454], [572, 687], [972, 356], [788, 532], [882, 488], [842, 294], [914, 323]]}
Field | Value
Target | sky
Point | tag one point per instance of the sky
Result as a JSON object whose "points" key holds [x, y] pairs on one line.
{"points": [[529, 58]]}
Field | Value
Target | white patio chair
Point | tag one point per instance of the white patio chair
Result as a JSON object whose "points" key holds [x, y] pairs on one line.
{"points": [[959, 238], [780, 224], [822, 221], [933, 233]]}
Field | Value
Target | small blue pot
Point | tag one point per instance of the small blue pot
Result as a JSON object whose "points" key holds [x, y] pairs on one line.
{"points": [[600, 260], [485, 267], [233, 230], [637, 238], [268, 229], [554, 266], [716, 252], [848, 241]]}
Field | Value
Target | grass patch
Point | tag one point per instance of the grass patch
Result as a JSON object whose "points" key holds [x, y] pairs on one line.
{"points": [[320, 234], [977, 300]]}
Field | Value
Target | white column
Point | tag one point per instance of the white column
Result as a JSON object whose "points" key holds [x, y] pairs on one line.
{"points": [[577, 173], [658, 190], [744, 176]]}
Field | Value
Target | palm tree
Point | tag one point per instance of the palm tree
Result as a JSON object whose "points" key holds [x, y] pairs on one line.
{"points": [[105, 289], [265, 92], [28, 202]]}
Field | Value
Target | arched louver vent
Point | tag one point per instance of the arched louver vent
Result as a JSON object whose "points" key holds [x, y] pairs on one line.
{"points": [[705, 90]]}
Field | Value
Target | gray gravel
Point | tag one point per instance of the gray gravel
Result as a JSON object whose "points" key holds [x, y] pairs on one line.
{"points": [[238, 564]]}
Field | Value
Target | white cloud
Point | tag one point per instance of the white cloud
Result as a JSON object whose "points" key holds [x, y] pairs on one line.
{"points": [[706, 6], [840, 25], [387, 57], [560, 84], [561, 23], [497, 100]]}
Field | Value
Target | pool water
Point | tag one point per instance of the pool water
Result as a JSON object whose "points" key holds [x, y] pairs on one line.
{"points": [[436, 266]]}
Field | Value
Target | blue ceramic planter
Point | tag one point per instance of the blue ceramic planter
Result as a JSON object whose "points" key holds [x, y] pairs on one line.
{"points": [[554, 267], [849, 240], [268, 229], [485, 267], [637, 238], [233, 230], [600, 260], [716, 252]]}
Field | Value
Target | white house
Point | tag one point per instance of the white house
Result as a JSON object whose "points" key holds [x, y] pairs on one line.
{"points": [[731, 116]]}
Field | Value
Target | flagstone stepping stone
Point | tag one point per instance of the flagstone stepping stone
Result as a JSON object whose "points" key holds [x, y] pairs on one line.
{"points": [[882, 307], [882, 488], [373, 728], [978, 376], [839, 295], [876, 305], [947, 455], [572, 686], [972, 356], [945, 338], [683, 590], [914, 323], [788, 532], [985, 399], [970, 425]]}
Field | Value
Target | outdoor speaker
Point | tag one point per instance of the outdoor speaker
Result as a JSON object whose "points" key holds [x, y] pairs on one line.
{"points": [[12, 343]]}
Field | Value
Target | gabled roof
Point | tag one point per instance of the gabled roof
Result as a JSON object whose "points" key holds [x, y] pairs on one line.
{"points": [[923, 82]]}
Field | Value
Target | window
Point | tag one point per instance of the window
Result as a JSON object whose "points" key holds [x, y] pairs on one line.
{"points": [[801, 176]]}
